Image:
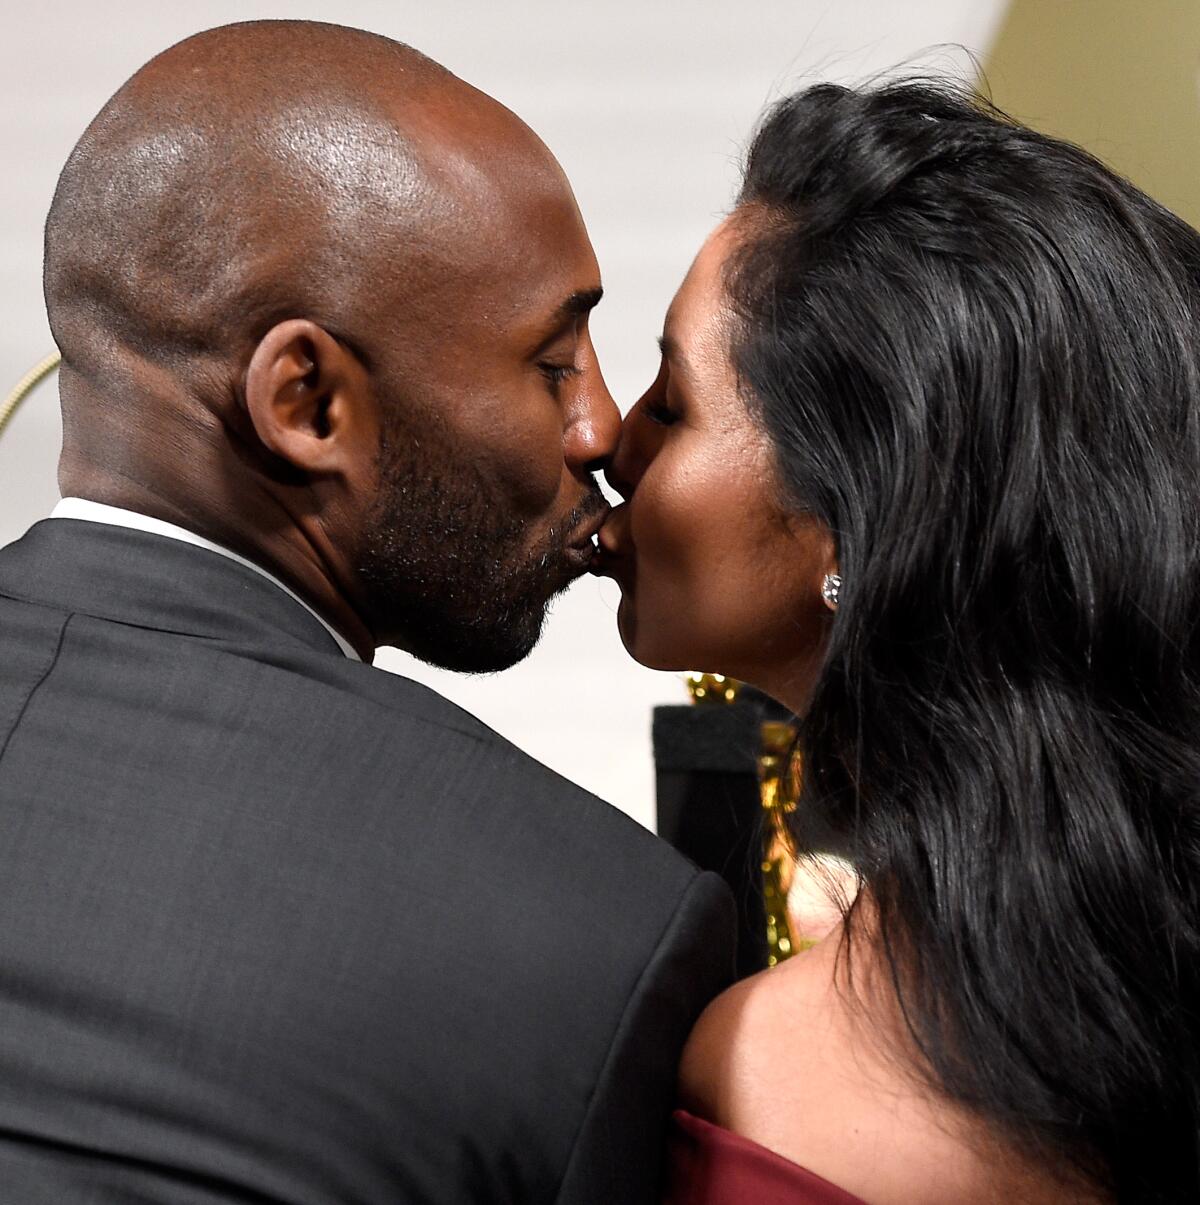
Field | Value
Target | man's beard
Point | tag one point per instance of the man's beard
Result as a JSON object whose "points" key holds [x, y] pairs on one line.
{"points": [[447, 565]]}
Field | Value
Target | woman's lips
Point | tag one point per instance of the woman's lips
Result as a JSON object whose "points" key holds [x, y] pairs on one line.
{"points": [[613, 547]]}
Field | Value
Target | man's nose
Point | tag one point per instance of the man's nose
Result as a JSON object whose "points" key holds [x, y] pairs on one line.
{"points": [[596, 429]]}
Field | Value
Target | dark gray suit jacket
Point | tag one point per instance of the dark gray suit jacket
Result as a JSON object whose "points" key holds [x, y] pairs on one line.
{"points": [[279, 927]]}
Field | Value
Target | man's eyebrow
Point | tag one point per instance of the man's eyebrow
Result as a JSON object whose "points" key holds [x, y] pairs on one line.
{"points": [[580, 303], [569, 312]]}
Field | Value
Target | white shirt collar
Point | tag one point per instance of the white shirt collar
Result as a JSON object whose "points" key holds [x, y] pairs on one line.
{"points": [[116, 516]]}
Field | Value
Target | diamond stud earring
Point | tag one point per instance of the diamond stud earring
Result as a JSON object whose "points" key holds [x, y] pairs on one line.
{"points": [[830, 588]]}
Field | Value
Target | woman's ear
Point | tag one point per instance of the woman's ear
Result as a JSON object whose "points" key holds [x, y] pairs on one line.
{"points": [[307, 398], [819, 561]]}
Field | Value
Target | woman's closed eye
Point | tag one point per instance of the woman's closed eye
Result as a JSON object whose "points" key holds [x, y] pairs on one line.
{"points": [[659, 412]]}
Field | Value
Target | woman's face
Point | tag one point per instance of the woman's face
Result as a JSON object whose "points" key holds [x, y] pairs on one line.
{"points": [[715, 575]]}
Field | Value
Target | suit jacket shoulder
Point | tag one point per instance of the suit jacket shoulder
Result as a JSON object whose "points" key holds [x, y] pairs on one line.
{"points": [[283, 927]]}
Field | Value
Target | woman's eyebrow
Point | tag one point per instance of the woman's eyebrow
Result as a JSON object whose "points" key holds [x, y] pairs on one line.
{"points": [[673, 354]]}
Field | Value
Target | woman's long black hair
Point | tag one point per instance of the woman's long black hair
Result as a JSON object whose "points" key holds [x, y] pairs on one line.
{"points": [[975, 349]]}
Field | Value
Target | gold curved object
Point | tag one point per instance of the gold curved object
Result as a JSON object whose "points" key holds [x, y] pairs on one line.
{"points": [[25, 386], [712, 688], [778, 789]]}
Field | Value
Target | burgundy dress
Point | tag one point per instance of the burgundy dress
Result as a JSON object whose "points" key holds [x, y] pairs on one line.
{"points": [[708, 1165]]}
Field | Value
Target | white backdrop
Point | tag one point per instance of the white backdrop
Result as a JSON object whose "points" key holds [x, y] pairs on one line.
{"points": [[646, 104]]}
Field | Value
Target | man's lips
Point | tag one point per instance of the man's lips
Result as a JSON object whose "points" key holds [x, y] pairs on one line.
{"points": [[581, 549]]}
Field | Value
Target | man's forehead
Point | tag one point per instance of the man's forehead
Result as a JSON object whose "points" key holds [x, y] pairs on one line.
{"points": [[468, 140], [495, 234], [529, 243]]}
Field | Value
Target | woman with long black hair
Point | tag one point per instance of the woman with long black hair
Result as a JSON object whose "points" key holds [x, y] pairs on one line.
{"points": [[923, 462]]}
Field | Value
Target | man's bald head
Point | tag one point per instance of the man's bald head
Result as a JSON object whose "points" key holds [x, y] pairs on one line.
{"points": [[326, 304], [258, 171]]}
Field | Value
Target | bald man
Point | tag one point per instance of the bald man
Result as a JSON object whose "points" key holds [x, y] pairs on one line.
{"points": [[279, 927]]}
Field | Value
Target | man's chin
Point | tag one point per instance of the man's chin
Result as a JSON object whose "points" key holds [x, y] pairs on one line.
{"points": [[489, 662], [486, 641], [471, 649]]}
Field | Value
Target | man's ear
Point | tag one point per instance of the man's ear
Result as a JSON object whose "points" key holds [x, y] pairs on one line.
{"points": [[307, 398]]}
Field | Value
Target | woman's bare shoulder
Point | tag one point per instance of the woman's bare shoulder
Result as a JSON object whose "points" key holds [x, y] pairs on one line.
{"points": [[751, 1032], [794, 1060]]}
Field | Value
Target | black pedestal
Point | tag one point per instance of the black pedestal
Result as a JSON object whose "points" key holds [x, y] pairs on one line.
{"points": [[709, 808]]}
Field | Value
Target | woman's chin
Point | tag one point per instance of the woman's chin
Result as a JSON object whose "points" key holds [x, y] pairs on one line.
{"points": [[627, 628], [650, 647]]}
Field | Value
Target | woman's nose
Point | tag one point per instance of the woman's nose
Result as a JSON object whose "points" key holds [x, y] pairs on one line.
{"points": [[622, 470]]}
